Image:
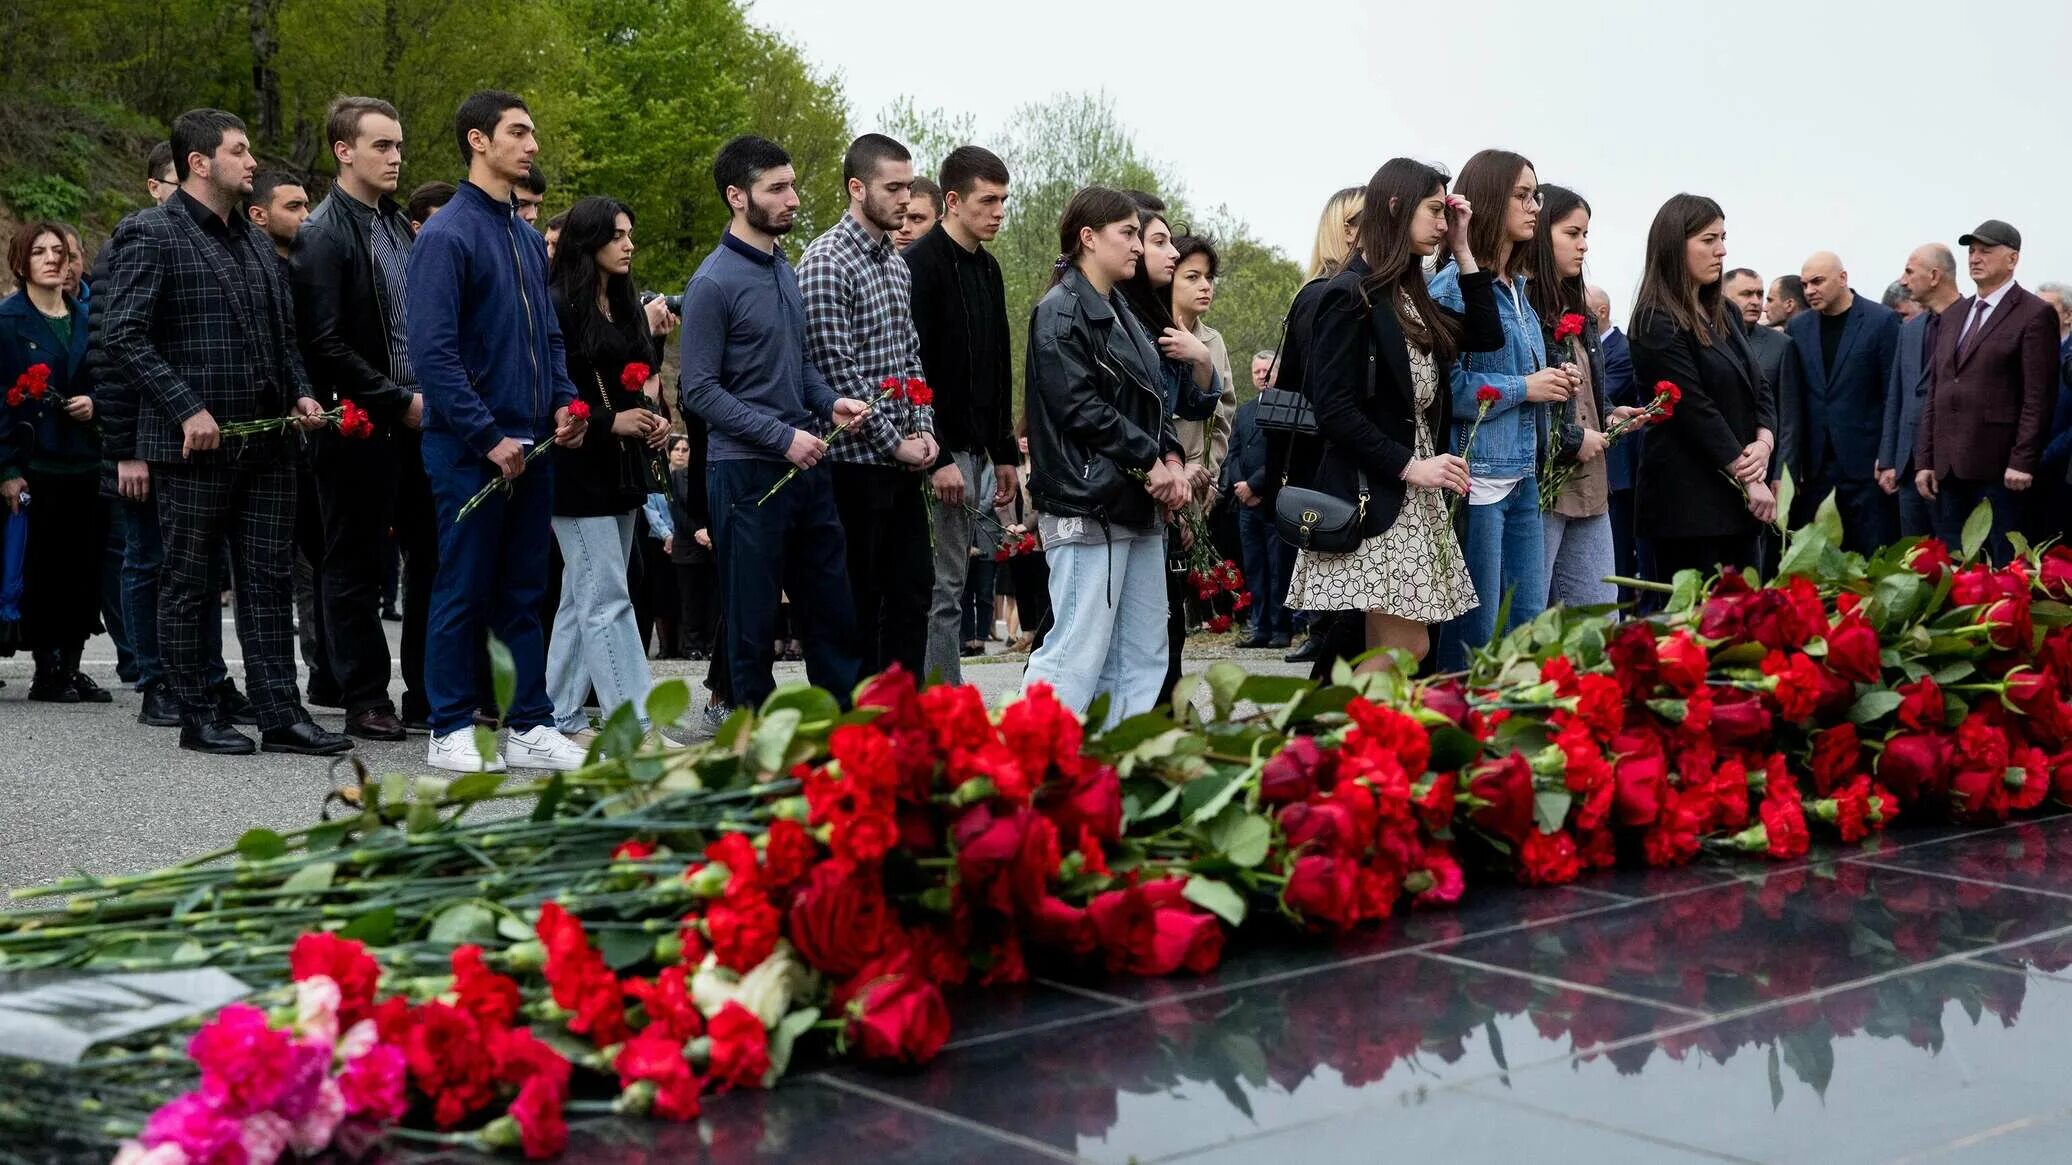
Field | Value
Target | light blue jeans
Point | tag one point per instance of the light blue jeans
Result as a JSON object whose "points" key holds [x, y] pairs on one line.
{"points": [[1504, 558], [1108, 632], [596, 642], [1578, 556]]}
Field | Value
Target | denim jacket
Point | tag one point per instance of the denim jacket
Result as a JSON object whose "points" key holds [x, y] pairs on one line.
{"points": [[1509, 442]]}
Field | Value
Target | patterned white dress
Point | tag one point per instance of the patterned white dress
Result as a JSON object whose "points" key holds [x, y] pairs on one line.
{"points": [[1414, 569]]}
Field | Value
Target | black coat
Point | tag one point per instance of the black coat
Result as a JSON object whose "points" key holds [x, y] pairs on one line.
{"points": [[338, 312], [1358, 379], [955, 291], [599, 477], [42, 430], [689, 509], [1096, 414], [1290, 458], [1684, 488]]}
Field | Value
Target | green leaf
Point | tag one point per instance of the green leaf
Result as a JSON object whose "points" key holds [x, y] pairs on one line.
{"points": [[261, 845], [620, 736], [512, 928], [1240, 836], [503, 678], [1204, 797], [1776, 1081], [1684, 591], [783, 1038], [485, 742], [1163, 804], [1217, 898], [1810, 1054], [1224, 679], [772, 739], [550, 798], [1550, 809], [464, 922], [1132, 732], [1787, 492], [623, 948], [1183, 697], [1097, 712], [1898, 597], [311, 879], [1453, 748], [1245, 1055], [1272, 690], [1829, 519], [730, 729], [817, 709], [1977, 528], [667, 702], [1955, 673], [375, 928], [2020, 545], [474, 786], [1874, 704], [1320, 702]]}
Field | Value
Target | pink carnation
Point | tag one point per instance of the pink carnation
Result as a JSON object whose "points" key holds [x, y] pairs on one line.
{"points": [[312, 1134], [372, 1085], [199, 1129], [244, 1064]]}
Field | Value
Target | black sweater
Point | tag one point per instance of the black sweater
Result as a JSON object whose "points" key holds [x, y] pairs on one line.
{"points": [[590, 480], [960, 314]]}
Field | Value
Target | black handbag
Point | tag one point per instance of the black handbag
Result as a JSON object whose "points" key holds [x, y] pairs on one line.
{"points": [[640, 468], [1283, 410], [1310, 519]]}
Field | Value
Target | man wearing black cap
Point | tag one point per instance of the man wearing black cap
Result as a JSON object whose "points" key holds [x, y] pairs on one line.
{"points": [[1990, 397]]}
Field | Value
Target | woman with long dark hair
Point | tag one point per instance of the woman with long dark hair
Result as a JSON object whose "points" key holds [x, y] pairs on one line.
{"points": [[1503, 534], [600, 485], [1381, 352], [1575, 528], [50, 462], [1702, 493], [1105, 466]]}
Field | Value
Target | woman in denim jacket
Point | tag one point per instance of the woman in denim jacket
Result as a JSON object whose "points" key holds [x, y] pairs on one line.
{"points": [[1503, 543]]}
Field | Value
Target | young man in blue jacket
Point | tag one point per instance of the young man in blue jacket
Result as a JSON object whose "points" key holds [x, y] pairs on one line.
{"points": [[487, 350]]}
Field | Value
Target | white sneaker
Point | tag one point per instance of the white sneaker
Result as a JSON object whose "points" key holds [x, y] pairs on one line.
{"points": [[456, 752], [543, 748]]}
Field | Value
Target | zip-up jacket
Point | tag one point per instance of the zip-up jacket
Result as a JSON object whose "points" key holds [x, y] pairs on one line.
{"points": [[484, 341], [1096, 413]]}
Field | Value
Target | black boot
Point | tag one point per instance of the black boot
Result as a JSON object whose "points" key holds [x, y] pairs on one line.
{"points": [[205, 733], [52, 683], [89, 691], [160, 710], [232, 705]]}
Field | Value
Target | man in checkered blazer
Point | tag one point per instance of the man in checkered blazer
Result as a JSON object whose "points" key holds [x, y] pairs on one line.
{"points": [[200, 324]]}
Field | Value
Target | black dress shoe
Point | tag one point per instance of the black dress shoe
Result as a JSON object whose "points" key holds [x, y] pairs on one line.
{"points": [[375, 724], [49, 687], [160, 710], [233, 705], [215, 737], [1311, 648], [304, 738], [89, 691], [391, 615], [1278, 642]]}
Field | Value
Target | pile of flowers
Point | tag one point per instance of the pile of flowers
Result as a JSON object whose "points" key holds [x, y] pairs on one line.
{"points": [[667, 925]]}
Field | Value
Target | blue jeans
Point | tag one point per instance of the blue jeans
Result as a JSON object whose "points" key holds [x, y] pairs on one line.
{"points": [[1505, 558], [1579, 555], [492, 574], [789, 547], [143, 554], [596, 642], [1108, 629], [1265, 557]]}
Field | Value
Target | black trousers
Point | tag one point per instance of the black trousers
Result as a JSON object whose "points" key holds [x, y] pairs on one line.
{"points": [[1704, 555], [309, 586], [416, 529], [697, 606], [250, 509], [793, 545], [61, 572], [891, 563], [360, 487]]}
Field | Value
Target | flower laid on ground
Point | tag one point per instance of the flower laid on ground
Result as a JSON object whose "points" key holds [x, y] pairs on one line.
{"points": [[577, 411], [664, 927], [1558, 472], [31, 385]]}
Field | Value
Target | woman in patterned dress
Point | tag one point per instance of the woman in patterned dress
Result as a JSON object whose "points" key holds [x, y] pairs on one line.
{"points": [[1377, 378]]}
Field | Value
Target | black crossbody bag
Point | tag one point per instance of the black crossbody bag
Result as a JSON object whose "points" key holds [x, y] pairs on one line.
{"points": [[1323, 523], [1283, 410]]}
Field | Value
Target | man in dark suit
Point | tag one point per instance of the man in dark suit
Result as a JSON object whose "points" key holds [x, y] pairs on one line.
{"points": [[202, 325], [1989, 403], [1931, 281], [1844, 350]]}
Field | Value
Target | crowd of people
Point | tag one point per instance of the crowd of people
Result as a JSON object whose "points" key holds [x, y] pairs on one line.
{"points": [[1450, 435]]}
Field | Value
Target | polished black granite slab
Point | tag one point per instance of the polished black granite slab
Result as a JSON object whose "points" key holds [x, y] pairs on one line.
{"points": [[1909, 1001]]}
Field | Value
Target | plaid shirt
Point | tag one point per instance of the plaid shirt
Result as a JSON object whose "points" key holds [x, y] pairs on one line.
{"points": [[860, 331]]}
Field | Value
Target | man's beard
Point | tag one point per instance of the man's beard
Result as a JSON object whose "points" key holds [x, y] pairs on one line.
{"points": [[766, 221], [886, 216]]}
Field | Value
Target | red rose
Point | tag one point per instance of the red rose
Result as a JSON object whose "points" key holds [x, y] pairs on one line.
{"points": [[634, 376], [740, 1054], [347, 963], [1547, 859], [1640, 780], [840, 919], [1321, 888], [1187, 940], [1681, 662], [1291, 774], [1325, 825], [1929, 558], [1632, 654], [2011, 628], [1852, 650], [1837, 758], [1506, 788], [1921, 706], [1005, 858], [897, 1018], [1058, 925], [2055, 573], [1092, 800], [1915, 766], [1450, 700], [743, 933], [1738, 717]]}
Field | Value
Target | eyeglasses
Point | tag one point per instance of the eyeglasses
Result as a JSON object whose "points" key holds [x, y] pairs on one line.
{"points": [[1532, 198]]}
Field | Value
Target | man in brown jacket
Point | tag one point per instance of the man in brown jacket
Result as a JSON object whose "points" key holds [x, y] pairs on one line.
{"points": [[1991, 391]]}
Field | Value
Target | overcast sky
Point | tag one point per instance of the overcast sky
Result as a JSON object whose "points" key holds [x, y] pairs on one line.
{"points": [[1860, 127]]}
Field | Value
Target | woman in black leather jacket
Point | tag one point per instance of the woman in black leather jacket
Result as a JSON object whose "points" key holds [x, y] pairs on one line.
{"points": [[1105, 467]]}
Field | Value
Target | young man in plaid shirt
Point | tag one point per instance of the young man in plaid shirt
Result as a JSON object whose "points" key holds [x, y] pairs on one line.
{"points": [[860, 334]]}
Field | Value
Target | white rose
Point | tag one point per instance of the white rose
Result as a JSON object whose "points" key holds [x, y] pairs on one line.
{"points": [[769, 989]]}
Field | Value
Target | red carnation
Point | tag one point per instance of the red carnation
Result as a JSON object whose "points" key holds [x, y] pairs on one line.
{"points": [[744, 933], [1570, 326], [658, 1060], [578, 410], [537, 1112], [919, 394], [1784, 824], [1548, 859], [634, 376], [347, 963], [1488, 395], [1217, 624]]}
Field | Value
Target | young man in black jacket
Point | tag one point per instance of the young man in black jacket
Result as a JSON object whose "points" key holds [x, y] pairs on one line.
{"points": [[350, 298], [960, 314]]}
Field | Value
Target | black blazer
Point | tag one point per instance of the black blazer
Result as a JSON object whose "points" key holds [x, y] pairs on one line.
{"points": [[1684, 488], [338, 310], [1352, 347]]}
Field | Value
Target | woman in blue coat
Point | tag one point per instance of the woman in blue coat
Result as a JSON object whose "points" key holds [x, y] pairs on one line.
{"points": [[50, 460]]}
